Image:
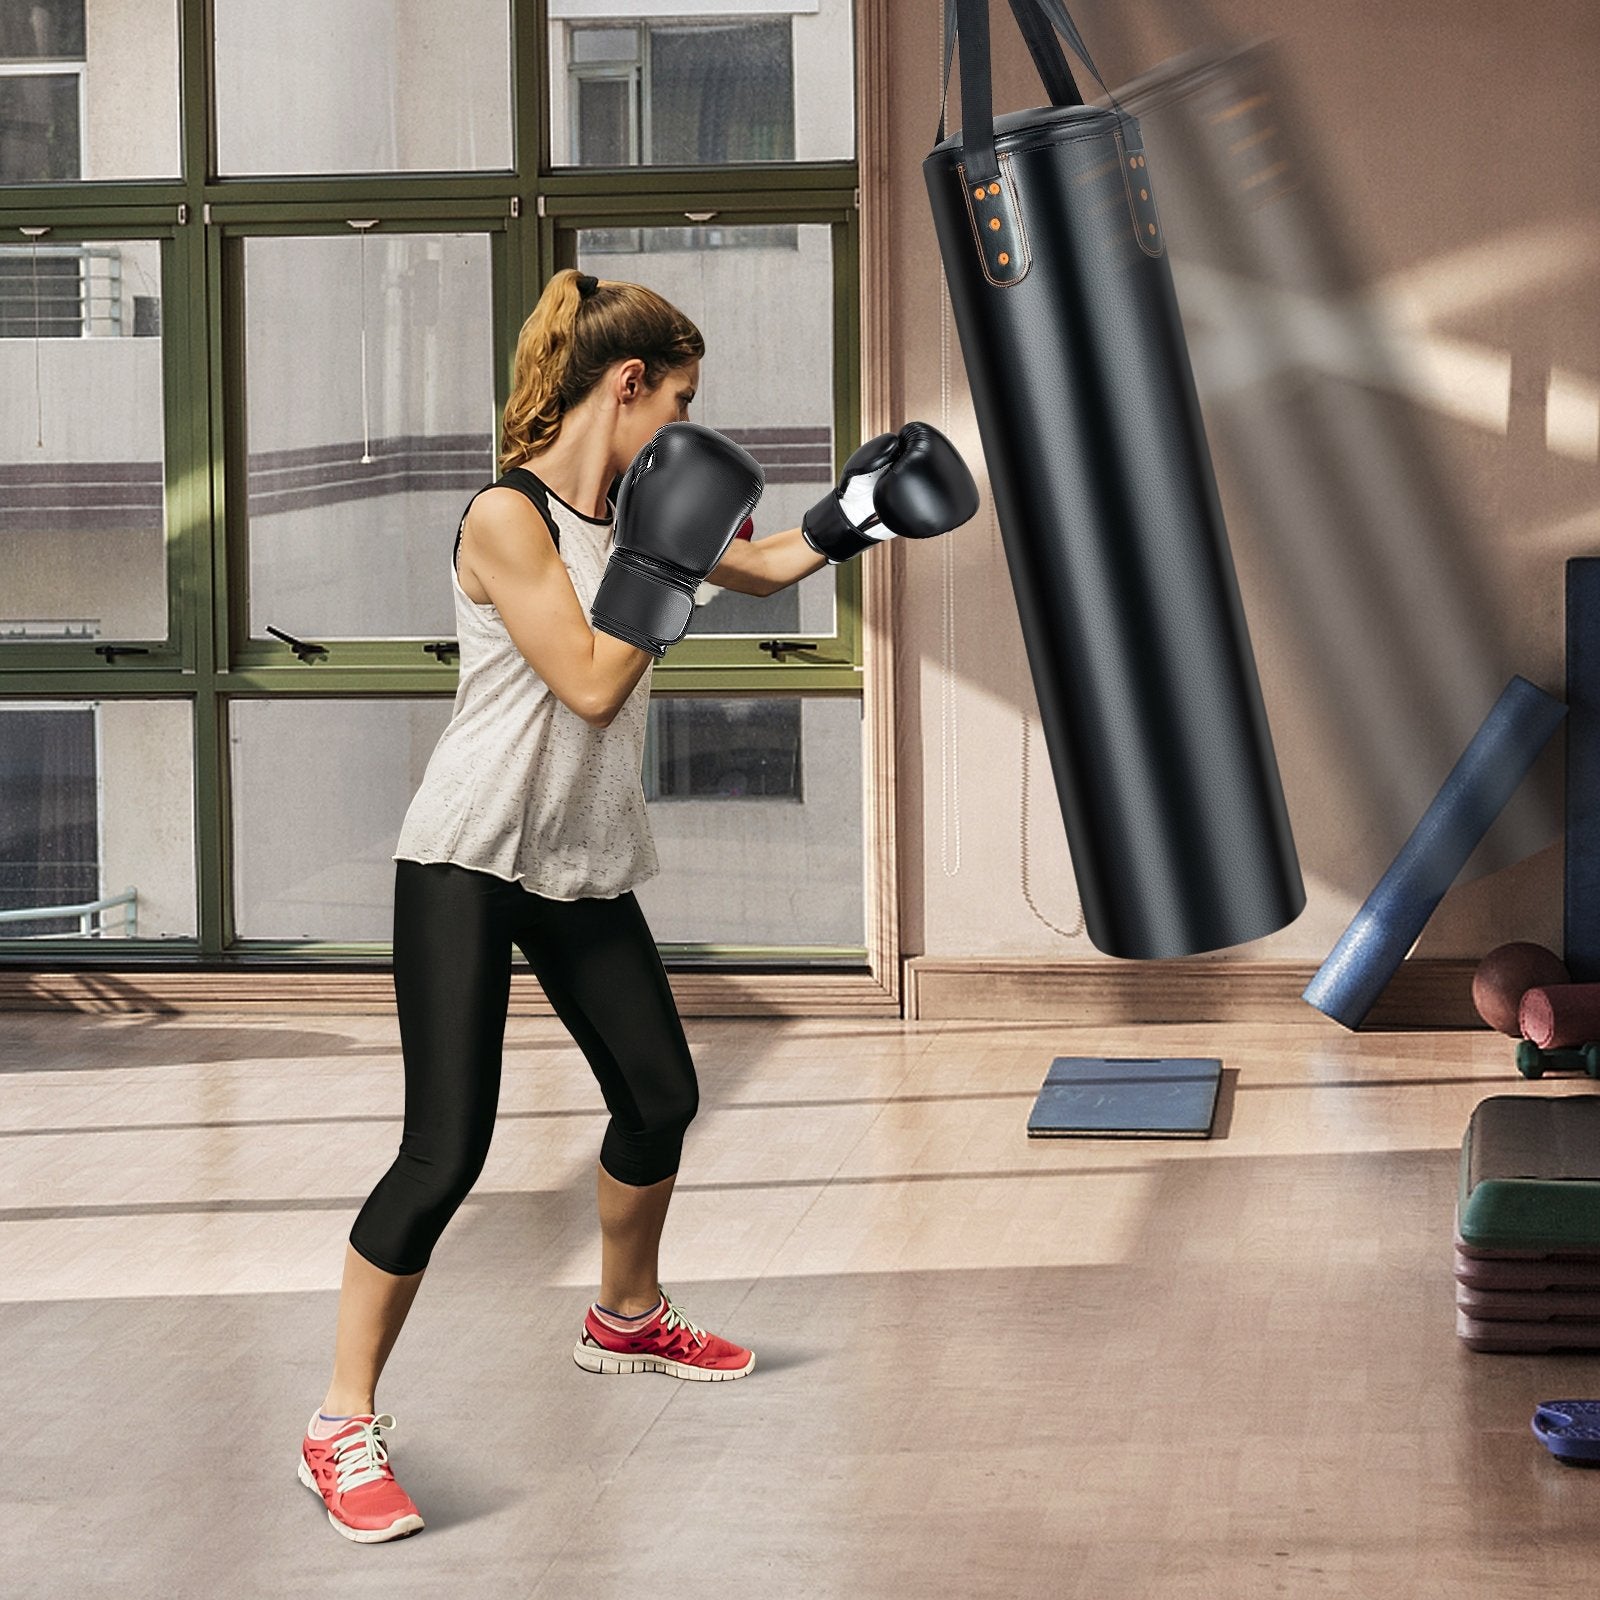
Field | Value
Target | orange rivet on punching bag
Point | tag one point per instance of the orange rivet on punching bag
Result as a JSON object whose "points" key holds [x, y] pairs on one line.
{"points": [[1004, 258], [977, 194], [994, 222]]}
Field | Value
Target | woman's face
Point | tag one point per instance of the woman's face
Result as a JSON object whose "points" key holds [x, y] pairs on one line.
{"points": [[668, 403]]}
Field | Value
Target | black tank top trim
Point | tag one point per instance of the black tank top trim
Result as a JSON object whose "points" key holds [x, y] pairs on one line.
{"points": [[541, 494], [528, 472]]}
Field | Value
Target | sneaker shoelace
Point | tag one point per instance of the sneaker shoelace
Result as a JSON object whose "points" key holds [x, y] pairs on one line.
{"points": [[360, 1456], [674, 1318]]}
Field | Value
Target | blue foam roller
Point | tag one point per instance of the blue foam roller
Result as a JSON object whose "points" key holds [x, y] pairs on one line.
{"points": [[1388, 924], [1581, 888]]}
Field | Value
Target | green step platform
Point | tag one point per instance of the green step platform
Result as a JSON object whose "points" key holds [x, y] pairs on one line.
{"points": [[1528, 1224], [1530, 1176]]}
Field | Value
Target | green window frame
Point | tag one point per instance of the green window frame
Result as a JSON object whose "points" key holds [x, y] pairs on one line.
{"points": [[531, 213]]}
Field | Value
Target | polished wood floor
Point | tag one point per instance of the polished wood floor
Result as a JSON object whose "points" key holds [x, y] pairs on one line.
{"points": [[986, 1365]]}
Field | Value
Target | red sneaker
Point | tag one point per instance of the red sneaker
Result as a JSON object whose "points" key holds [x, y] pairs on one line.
{"points": [[351, 1472], [669, 1342]]}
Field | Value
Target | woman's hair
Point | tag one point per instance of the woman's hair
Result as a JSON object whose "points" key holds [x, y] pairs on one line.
{"points": [[572, 337]]}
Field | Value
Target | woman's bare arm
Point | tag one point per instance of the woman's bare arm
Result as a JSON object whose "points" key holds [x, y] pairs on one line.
{"points": [[508, 546], [763, 566]]}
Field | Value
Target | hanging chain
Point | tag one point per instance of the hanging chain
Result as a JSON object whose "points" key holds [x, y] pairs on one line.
{"points": [[366, 423], [1027, 892]]}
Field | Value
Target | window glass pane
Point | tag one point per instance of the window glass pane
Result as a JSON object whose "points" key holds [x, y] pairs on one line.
{"points": [[41, 28], [39, 137], [324, 871], [774, 397], [82, 453], [374, 86], [756, 808], [605, 44], [721, 91], [97, 803], [767, 788], [707, 85], [605, 126], [88, 95], [41, 292], [370, 419]]}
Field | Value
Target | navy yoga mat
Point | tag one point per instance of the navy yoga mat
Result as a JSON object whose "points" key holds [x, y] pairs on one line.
{"points": [[1517, 728], [1171, 1097]]}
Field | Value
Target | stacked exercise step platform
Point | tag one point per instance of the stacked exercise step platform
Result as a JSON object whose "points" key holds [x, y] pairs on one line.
{"points": [[1528, 1225], [1527, 1245], [1527, 1264]]}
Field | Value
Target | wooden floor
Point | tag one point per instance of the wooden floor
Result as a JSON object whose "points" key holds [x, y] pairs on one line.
{"points": [[986, 1365]]}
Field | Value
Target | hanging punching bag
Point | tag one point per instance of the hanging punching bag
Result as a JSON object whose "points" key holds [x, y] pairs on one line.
{"points": [[1108, 510]]}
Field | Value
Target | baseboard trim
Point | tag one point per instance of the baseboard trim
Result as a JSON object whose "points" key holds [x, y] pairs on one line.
{"points": [[1423, 994], [698, 994]]}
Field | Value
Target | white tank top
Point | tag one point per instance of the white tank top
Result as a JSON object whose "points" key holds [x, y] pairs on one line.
{"points": [[519, 785]]}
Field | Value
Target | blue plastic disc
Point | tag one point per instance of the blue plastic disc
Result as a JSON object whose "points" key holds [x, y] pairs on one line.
{"points": [[1569, 1429]]}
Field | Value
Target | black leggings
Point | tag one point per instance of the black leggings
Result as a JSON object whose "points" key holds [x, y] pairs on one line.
{"points": [[599, 967]]}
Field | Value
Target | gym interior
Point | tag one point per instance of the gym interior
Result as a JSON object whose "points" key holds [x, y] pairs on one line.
{"points": [[1087, 1250]]}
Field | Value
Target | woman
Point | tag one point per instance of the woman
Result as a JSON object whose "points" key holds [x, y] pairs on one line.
{"points": [[529, 828]]}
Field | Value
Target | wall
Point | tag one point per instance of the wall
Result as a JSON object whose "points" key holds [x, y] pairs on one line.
{"points": [[1450, 149]]}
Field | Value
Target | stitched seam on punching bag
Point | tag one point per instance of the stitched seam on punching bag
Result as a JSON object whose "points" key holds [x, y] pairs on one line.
{"points": [[1003, 163], [1024, 140], [1133, 210]]}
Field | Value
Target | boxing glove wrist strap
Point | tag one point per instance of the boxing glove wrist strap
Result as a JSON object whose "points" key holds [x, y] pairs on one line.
{"points": [[644, 601], [831, 533]]}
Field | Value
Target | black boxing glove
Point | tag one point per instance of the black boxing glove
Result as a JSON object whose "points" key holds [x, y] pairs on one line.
{"points": [[682, 500], [909, 485]]}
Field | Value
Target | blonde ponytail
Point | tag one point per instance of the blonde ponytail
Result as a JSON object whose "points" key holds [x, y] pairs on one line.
{"points": [[569, 341]]}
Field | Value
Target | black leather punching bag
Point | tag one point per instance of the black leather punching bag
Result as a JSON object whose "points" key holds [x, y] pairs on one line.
{"points": [[1108, 509]]}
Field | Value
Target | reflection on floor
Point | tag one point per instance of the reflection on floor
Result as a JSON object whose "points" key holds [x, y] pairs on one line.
{"points": [[986, 1365]]}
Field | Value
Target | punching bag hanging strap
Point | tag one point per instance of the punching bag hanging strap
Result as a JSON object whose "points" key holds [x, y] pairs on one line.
{"points": [[1047, 57], [1056, 11], [1040, 21], [977, 108], [1047, 54]]}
